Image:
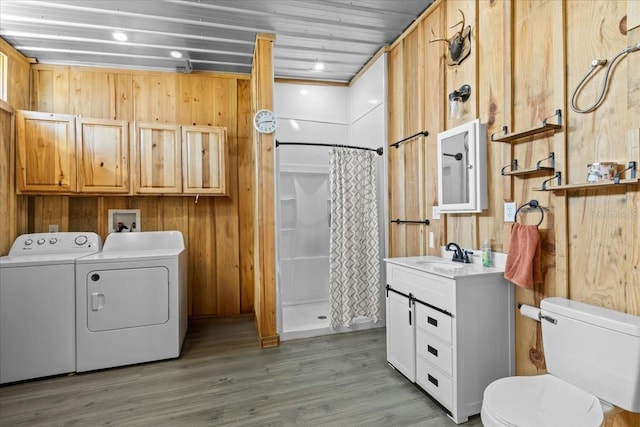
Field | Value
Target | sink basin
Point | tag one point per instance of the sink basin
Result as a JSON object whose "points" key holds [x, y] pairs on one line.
{"points": [[440, 265]]}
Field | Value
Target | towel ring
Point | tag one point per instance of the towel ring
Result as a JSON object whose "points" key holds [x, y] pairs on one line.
{"points": [[532, 204]]}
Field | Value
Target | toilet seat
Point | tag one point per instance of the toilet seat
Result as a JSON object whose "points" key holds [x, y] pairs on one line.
{"points": [[539, 401]]}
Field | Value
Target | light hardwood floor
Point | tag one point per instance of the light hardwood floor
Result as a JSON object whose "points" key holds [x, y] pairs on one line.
{"points": [[224, 379]]}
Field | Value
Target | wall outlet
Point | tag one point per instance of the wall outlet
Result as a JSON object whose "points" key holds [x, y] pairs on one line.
{"points": [[53, 228], [435, 212], [510, 212]]}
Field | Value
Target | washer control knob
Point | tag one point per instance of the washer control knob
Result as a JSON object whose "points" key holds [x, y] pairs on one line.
{"points": [[40, 241], [53, 240], [95, 277], [28, 242], [81, 240]]}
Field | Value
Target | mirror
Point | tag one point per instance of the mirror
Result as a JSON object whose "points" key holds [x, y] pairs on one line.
{"points": [[462, 168]]}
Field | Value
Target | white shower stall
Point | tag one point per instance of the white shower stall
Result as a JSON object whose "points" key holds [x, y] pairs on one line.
{"points": [[330, 114]]}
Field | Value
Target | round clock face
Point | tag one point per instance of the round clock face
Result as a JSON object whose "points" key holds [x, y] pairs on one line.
{"points": [[264, 121]]}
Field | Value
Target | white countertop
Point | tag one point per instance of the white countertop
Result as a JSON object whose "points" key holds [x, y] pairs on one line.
{"points": [[445, 267]]}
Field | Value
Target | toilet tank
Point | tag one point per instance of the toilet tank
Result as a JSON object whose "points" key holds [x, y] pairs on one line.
{"points": [[593, 348]]}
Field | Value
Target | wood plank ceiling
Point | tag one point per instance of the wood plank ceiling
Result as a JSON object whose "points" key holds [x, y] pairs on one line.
{"points": [[211, 35]]}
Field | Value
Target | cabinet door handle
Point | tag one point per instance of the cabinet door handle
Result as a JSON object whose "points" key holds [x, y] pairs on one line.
{"points": [[409, 318], [432, 380], [432, 350], [432, 321]]}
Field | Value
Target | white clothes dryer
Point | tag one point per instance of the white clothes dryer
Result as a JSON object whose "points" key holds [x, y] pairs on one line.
{"points": [[131, 300], [37, 304]]}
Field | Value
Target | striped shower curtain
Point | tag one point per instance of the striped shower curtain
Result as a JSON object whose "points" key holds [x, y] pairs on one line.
{"points": [[354, 259]]}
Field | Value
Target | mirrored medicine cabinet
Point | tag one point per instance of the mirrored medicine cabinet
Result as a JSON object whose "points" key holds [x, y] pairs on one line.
{"points": [[462, 168]]}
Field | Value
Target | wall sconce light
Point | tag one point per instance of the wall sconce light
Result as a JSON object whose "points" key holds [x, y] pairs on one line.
{"points": [[456, 99]]}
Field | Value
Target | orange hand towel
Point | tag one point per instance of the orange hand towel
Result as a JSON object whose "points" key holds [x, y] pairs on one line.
{"points": [[523, 260]]}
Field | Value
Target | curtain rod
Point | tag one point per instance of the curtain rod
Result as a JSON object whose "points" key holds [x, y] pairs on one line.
{"points": [[377, 150]]}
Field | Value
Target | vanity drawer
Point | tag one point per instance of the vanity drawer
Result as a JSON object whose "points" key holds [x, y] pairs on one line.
{"points": [[434, 322], [430, 288], [434, 351], [434, 382]]}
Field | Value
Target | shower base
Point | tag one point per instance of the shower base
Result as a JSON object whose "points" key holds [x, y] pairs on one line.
{"points": [[312, 320]]}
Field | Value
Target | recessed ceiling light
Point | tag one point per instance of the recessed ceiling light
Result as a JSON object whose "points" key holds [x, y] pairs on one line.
{"points": [[319, 66], [175, 54], [303, 91], [120, 36]]}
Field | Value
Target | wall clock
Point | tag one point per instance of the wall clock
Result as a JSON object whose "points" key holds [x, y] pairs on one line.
{"points": [[265, 121]]}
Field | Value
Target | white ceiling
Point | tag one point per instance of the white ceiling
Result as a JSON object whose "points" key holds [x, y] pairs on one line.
{"points": [[214, 35]]}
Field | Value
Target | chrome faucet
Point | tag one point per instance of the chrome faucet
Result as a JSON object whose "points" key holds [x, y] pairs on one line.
{"points": [[459, 255]]}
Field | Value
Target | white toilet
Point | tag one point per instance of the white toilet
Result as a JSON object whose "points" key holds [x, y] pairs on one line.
{"points": [[593, 362]]}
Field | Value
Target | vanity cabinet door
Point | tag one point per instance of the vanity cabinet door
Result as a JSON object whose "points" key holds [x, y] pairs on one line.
{"points": [[401, 348], [103, 156], [157, 155], [46, 152], [204, 158]]}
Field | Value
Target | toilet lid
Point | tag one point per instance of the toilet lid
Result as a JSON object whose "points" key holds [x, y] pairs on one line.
{"points": [[541, 401]]}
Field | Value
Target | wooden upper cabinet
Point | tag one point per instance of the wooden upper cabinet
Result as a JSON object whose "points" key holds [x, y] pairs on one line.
{"points": [[204, 158], [46, 152], [157, 156], [103, 156]]}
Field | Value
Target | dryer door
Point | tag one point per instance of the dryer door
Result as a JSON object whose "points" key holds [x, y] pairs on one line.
{"points": [[127, 298]]}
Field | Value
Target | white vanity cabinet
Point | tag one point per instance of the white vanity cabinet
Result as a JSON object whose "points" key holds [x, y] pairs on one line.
{"points": [[450, 331]]}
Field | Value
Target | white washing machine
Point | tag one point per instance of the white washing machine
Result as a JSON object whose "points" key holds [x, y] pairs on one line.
{"points": [[37, 304], [131, 300]]}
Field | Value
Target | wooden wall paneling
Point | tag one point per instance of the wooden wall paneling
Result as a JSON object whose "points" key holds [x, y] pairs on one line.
{"points": [[156, 97], [99, 93], [600, 258], [122, 103], [414, 177], [83, 214], [50, 210], [13, 208], [150, 210], [396, 173], [433, 118], [245, 197], [7, 180], [494, 94], [538, 91], [213, 103], [174, 214], [264, 221], [93, 93], [50, 89], [462, 228], [192, 97], [202, 258], [226, 239]]}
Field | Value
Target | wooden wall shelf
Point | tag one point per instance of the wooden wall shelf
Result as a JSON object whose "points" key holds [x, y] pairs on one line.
{"points": [[515, 137], [537, 170], [588, 185], [543, 170]]}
